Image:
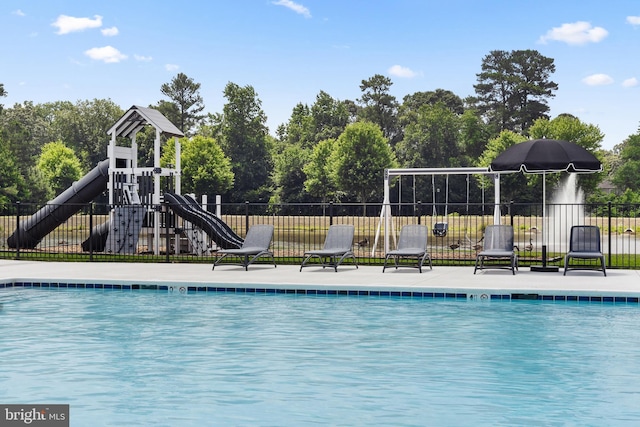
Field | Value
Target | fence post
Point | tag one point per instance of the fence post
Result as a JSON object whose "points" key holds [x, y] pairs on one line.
{"points": [[331, 213], [166, 231], [418, 210], [246, 216], [609, 233], [90, 231], [19, 237], [511, 211]]}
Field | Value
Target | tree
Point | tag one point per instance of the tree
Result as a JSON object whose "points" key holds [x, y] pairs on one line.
{"points": [[378, 106], [431, 138], [320, 182], [59, 165], [11, 180], [288, 175], [569, 128], [330, 117], [83, 126], [627, 175], [474, 135], [3, 93], [186, 106], [204, 167], [300, 129], [25, 129], [245, 140], [359, 158], [512, 185], [513, 88], [414, 101]]}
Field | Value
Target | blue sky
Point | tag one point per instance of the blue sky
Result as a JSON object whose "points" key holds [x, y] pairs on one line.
{"points": [[291, 50]]}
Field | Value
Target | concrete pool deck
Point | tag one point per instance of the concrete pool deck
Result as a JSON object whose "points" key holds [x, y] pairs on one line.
{"points": [[456, 282]]}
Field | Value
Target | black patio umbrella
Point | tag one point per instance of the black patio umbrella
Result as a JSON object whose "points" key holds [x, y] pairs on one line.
{"points": [[543, 156]]}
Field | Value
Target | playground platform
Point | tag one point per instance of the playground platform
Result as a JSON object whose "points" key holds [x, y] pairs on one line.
{"points": [[619, 286]]}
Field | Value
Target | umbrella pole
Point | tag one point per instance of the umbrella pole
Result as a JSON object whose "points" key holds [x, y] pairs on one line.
{"points": [[544, 267], [544, 219]]}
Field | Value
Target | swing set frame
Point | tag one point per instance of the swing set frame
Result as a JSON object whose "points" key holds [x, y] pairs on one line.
{"points": [[385, 213]]}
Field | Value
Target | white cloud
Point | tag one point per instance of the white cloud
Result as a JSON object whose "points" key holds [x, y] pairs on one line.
{"points": [[633, 20], [576, 33], [296, 7], [69, 24], [108, 54], [597, 80], [631, 82], [171, 67], [142, 58], [109, 32], [18, 12], [400, 71]]}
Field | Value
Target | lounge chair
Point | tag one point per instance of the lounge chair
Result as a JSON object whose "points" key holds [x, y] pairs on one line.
{"points": [[412, 244], [256, 244], [337, 247], [584, 243], [498, 246]]}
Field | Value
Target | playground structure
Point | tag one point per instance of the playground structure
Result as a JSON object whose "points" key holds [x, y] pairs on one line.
{"points": [[136, 198]]}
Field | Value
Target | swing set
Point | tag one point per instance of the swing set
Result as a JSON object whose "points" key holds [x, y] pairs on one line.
{"points": [[439, 228]]}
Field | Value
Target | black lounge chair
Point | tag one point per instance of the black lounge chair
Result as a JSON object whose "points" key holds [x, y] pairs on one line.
{"points": [[256, 244], [412, 244], [337, 247], [498, 247], [584, 244]]}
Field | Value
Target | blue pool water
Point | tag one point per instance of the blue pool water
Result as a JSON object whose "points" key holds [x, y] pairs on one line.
{"points": [[147, 358]]}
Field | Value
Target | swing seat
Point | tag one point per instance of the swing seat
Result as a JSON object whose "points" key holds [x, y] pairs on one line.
{"points": [[440, 229]]}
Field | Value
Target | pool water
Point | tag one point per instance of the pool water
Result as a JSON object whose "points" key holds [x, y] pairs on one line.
{"points": [[150, 358]]}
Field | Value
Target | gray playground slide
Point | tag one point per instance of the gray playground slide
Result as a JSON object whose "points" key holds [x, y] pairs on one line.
{"points": [[58, 210], [189, 209]]}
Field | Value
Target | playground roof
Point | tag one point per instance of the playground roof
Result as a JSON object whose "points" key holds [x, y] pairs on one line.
{"points": [[138, 117]]}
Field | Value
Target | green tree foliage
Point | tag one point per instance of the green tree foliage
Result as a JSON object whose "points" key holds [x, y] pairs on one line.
{"points": [[300, 128], [379, 106], [431, 138], [3, 93], [512, 185], [569, 128], [474, 136], [244, 139], [10, 178], [288, 175], [360, 156], [513, 88], [83, 126], [59, 165], [326, 119], [330, 117], [320, 180], [186, 103], [205, 168], [25, 128], [627, 175], [414, 101]]}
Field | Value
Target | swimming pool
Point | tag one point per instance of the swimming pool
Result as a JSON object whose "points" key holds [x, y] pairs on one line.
{"points": [[139, 358]]}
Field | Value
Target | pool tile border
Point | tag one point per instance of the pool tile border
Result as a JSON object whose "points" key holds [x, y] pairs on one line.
{"points": [[454, 295]]}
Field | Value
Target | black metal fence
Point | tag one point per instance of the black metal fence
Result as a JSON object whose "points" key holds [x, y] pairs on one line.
{"points": [[162, 236]]}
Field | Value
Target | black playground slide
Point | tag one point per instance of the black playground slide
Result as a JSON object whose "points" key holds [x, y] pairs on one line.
{"points": [[189, 209], [60, 209]]}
